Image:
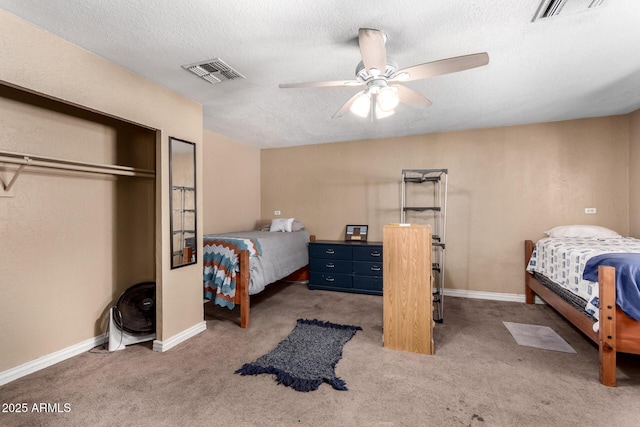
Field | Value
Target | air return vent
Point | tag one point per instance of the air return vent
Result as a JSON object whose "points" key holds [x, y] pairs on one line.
{"points": [[549, 8], [213, 71]]}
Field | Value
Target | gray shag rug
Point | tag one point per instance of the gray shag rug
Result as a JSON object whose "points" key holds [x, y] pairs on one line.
{"points": [[307, 357]]}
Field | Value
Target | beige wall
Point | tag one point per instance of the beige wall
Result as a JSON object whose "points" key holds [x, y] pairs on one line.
{"points": [[505, 185], [634, 174], [80, 78], [231, 189]]}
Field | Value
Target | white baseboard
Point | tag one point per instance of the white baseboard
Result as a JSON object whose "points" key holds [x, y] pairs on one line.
{"points": [[178, 338], [50, 359], [74, 350], [493, 296]]}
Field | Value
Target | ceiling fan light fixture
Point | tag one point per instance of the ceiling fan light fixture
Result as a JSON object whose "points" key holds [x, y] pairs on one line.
{"points": [[361, 105], [383, 80], [387, 99]]}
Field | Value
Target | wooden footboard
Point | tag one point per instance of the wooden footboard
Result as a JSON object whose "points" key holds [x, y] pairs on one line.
{"points": [[616, 333], [242, 285]]}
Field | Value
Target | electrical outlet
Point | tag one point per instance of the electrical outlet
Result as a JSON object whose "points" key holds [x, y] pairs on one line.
{"points": [[589, 210], [276, 212]]}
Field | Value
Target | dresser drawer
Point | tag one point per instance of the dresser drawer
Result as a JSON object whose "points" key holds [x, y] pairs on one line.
{"points": [[330, 280], [330, 266], [369, 283], [322, 250], [367, 253], [361, 268]]}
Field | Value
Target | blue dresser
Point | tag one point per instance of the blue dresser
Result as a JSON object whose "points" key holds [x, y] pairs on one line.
{"points": [[346, 266]]}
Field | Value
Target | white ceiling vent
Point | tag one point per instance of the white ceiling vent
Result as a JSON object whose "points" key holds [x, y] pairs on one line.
{"points": [[549, 8], [213, 71]]}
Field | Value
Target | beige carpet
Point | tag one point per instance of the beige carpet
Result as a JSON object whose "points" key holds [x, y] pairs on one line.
{"points": [[479, 376]]}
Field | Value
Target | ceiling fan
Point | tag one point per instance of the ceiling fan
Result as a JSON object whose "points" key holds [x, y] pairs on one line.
{"points": [[382, 79]]}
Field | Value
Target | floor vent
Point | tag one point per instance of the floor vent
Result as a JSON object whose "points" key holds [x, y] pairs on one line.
{"points": [[549, 8], [214, 71]]}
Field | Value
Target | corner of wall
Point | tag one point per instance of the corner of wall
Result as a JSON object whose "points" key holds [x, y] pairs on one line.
{"points": [[634, 174]]}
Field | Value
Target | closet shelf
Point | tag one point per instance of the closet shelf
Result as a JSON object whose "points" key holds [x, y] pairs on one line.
{"points": [[28, 160]]}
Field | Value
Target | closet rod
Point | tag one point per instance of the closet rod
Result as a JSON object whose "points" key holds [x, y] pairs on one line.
{"points": [[56, 163]]}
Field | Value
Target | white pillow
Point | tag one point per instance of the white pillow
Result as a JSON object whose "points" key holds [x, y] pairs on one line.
{"points": [[584, 231], [297, 225], [281, 224]]}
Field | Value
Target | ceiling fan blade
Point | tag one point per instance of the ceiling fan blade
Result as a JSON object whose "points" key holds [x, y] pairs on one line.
{"points": [[443, 66], [410, 96], [347, 105], [374, 54], [337, 83]]}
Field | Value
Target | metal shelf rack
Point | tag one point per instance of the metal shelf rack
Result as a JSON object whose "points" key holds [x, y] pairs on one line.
{"points": [[427, 190]]}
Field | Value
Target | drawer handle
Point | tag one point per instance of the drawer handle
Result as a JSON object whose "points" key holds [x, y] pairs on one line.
{"points": [[375, 253], [329, 265], [375, 268], [329, 251], [329, 279]]}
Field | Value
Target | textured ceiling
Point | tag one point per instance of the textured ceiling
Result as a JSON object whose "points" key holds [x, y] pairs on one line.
{"points": [[581, 64]]}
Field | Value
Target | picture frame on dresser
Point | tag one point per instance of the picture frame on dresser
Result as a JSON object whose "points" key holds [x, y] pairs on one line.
{"points": [[356, 233]]}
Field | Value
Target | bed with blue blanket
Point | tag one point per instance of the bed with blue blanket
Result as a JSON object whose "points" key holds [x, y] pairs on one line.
{"points": [[594, 282], [244, 263]]}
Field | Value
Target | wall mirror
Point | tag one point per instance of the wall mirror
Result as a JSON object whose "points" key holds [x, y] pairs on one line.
{"points": [[182, 184]]}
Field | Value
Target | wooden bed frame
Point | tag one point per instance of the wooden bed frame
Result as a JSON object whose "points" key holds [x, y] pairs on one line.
{"points": [[242, 285], [617, 331]]}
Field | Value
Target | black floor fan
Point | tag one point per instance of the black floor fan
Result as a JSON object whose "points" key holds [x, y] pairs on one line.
{"points": [[132, 319]]}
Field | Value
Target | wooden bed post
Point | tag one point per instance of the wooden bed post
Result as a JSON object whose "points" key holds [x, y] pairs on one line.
{"points": [[243, 288], [607, 329], [528, 292]]}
